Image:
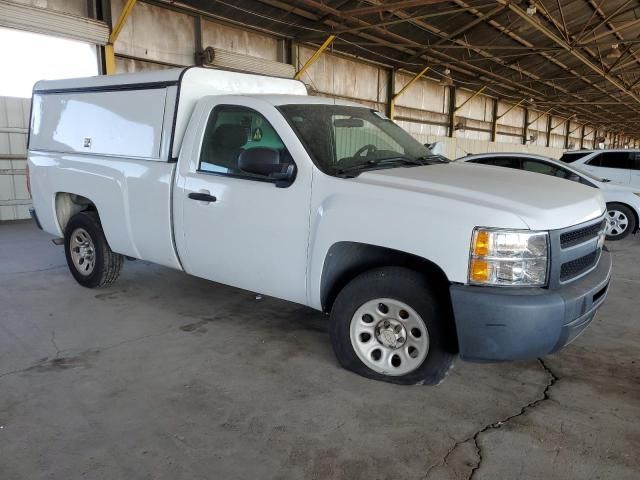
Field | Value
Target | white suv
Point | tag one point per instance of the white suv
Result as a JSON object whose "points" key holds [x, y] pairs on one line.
{"points": [[619, 166]]}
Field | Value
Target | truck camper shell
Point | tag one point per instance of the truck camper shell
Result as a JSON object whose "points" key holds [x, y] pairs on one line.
{"points": [[140, 115]]}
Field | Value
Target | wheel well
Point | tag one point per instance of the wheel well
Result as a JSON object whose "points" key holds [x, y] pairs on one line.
{"points": [[633, 210], [68, 204], [347, 260]]}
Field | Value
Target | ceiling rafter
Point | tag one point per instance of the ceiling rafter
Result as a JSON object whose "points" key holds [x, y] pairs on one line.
{"points": [[518, 62], [454, 63], [486, 55]]}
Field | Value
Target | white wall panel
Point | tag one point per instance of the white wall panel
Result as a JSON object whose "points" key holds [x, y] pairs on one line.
{"points": [[239, 40], [343, 76], [156, 33], [74, 7], [14, 120], [424, 94]]}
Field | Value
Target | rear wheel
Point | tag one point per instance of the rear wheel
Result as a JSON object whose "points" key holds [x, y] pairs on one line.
{"points": [[620, 221], [387, 325], [90, 259]]}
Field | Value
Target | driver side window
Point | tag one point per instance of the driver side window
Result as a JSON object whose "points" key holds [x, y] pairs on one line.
{"points": [[232, 130], [358, 136]]}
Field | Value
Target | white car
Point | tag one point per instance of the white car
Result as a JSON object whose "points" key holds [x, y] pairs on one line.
{"points": [[623, 202], [248, 181], [619, 166]]}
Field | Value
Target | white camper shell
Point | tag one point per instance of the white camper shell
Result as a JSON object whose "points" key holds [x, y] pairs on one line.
{"points": [[140, 115]]}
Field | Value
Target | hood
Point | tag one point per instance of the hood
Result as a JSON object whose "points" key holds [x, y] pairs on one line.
{"points": [[541, 201]]}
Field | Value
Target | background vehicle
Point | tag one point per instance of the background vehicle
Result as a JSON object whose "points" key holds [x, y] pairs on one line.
{"points": [[619, 166], [327, 204], [623, 203]]}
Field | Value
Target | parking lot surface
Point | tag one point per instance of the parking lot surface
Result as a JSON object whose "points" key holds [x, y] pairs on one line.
{"points": [[167, 376]]}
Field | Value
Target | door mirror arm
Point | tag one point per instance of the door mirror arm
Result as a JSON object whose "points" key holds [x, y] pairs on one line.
{"points": [[284, 178]]}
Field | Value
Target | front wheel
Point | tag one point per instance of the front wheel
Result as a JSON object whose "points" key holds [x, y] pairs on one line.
{"points": [[620, 221], [90, 259], [387, 325]]}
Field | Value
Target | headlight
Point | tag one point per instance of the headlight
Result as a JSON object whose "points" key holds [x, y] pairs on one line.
{"points": [[509, 258]]}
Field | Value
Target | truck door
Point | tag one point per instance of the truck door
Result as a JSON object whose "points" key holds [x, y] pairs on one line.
{"points": [[248, 229]]}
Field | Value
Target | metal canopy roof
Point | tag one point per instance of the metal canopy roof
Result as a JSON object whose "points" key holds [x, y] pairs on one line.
{"points": [[580, 58]]}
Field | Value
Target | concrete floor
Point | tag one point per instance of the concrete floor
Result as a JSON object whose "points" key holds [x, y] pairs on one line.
{"points": [[165, 376]]}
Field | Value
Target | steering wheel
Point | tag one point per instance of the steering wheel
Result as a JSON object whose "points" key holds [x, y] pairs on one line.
{"points": [[370, 148]]}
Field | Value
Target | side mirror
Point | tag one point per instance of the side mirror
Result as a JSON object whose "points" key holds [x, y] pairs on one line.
{"points": [[267, 162]]}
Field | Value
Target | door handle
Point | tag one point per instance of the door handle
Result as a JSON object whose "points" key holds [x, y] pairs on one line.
{"points": [[202, 197]]}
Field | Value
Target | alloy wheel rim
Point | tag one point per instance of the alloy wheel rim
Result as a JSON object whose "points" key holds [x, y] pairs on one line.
{"points": [[389, 337], [83, 252], [617, 223]]}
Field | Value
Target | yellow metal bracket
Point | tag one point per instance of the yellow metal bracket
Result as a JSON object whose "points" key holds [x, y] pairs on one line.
{"points": [[575, 129], [109, 53], [510, 108], [314, 57], [540, 116], [392, 102], [475, 94], [562, 122]]}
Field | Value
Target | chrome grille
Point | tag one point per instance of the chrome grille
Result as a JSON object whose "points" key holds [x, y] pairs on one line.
{"points": [[577, 267], [575, 251], [581, 235]]}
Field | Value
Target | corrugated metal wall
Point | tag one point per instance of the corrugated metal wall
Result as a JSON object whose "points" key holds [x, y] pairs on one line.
{"points": [[14, 121]]}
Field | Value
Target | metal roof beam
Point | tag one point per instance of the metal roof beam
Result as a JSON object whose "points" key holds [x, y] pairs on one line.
{"points": [[388, 7], [552, 36]]}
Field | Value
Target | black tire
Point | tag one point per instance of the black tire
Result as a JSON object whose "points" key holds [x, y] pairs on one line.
{"points": [[412, 289], [107, 264], [612, 209]]}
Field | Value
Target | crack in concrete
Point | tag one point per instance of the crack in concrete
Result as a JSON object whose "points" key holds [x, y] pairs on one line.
{"points": [[55, 267], [55, 345], [551, 380], [95, 350]]}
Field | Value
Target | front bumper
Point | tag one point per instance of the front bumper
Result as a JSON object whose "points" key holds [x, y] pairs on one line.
{"points": [[501, 324]]}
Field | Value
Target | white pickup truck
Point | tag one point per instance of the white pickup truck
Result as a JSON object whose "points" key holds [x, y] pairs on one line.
{"points": [[247, 181]]}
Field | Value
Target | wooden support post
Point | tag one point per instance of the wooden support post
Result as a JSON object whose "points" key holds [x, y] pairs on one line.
{"points": [[391, 88], [494, 120], [566, 134], [582, 133], [525, 127], [452, 112], [549, 120]]}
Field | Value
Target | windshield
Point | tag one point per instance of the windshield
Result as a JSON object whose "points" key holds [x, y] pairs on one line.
{"points": [[345, 140]]}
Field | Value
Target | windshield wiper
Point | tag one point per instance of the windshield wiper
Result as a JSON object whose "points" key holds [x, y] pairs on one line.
{"points": [[380, 162], [431, 159]]}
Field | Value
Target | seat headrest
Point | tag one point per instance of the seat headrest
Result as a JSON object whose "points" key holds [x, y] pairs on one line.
{"points": [[230, 135]]}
